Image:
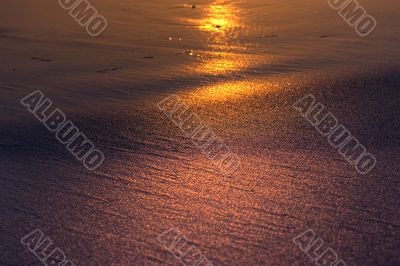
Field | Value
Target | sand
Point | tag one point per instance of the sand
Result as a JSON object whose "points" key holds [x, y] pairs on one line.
{"points": [[240, 66]]}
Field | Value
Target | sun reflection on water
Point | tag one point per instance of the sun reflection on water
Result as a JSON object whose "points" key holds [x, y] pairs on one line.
{"points": [[218, 63], [221, 22], [220, 17]]}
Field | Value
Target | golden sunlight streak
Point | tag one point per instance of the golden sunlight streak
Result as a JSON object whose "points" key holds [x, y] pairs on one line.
{"points": [[232, 90], [222, 63], [220, 19]]}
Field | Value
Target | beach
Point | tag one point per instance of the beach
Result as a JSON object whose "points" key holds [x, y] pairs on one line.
{"points": [[240, 66]]}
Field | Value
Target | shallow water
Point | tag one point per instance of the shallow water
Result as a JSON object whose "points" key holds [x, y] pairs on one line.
{"points": [[239, 65]]}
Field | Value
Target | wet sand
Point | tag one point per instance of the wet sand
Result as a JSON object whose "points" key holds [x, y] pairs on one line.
{"points": [[240, 66]]}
